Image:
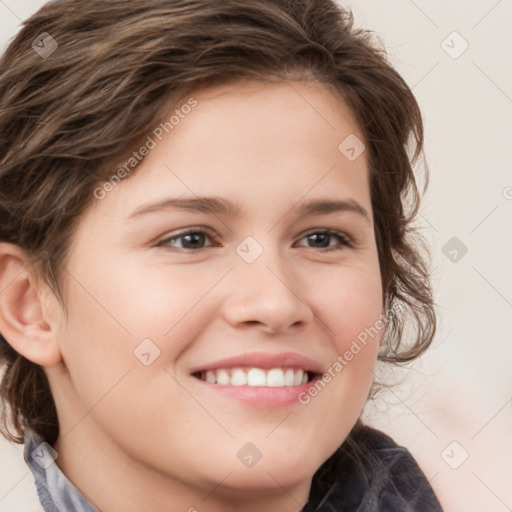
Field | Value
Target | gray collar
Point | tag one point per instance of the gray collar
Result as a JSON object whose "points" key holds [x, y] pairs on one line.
{"points": [[56, 493]]}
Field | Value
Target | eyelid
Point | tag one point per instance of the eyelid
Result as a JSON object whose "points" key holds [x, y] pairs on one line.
{"points": [[346, 239], [188, 231]]}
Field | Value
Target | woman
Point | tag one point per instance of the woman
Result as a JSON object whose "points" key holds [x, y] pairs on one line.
{"points": [[204, 250]]}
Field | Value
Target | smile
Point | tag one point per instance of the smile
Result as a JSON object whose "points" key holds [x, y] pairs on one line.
{"points": [[256, 377]]}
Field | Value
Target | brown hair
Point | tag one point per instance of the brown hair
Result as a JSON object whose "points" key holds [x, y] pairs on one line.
{"points": [[68, 118]]}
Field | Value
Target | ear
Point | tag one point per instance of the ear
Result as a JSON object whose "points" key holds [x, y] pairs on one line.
{"points": [[24, 305]]}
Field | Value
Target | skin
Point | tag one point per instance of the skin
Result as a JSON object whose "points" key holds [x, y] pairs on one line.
{"points": [[151, 438]]}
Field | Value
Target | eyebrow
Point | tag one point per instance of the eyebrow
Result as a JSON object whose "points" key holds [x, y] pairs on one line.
{"points": [[221, 206]]}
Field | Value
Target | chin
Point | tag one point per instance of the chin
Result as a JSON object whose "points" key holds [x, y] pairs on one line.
{"points": [[273, 471], [266, 478]]}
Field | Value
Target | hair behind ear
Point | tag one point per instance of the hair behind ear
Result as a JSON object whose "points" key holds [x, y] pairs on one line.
{"points": [[25, 398]]}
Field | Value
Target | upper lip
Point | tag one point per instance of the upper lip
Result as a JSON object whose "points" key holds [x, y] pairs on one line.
{"points": [[264, 361]]}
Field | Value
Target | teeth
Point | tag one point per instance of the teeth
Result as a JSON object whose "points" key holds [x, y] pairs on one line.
{"points": [[275, 378], [223, 377], [238, 378], [256, 377]]}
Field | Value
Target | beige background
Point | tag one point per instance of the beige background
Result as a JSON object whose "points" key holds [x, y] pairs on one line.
{"points": [[453, 409]]}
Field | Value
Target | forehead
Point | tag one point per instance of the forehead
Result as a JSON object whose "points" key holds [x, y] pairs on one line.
{"points": [[247, 140]]}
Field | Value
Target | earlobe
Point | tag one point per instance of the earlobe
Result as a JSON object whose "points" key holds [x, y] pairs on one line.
{"points": [[22, 320]]}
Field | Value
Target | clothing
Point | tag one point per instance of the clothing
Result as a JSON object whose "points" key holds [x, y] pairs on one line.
{"points": [[371, 473], [368, 473], [56, 493]]}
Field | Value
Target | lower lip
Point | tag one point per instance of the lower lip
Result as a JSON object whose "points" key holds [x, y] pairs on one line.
{"points": [[261, 396]]}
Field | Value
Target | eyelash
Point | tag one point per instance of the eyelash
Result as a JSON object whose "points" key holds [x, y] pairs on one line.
{"points": [[345, 242]]}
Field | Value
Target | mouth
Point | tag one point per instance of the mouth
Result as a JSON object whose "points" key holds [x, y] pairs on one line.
{"points": [[257, 370], [256, 377]]}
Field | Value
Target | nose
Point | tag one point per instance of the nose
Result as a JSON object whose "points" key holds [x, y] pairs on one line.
{"points": [[265, 295]]}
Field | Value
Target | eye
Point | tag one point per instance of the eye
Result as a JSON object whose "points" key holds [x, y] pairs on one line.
{"points": [[323, 240], [192, 239], [195, 239]]}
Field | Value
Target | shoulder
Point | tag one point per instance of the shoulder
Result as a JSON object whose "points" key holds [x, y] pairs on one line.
{"points": [[397, 482], [371, 473]]}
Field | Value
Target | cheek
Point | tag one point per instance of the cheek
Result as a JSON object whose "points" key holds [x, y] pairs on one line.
{"points": [[352, 306], [96, 349], [156, 298], [134, 302], [352, 309], [114, 311]]}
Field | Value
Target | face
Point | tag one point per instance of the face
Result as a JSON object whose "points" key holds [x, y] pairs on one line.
{"points": [[209, 292]]}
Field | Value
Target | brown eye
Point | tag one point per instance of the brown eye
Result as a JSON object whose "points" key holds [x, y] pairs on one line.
{"points": [[326, 240], [189, 240]]}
